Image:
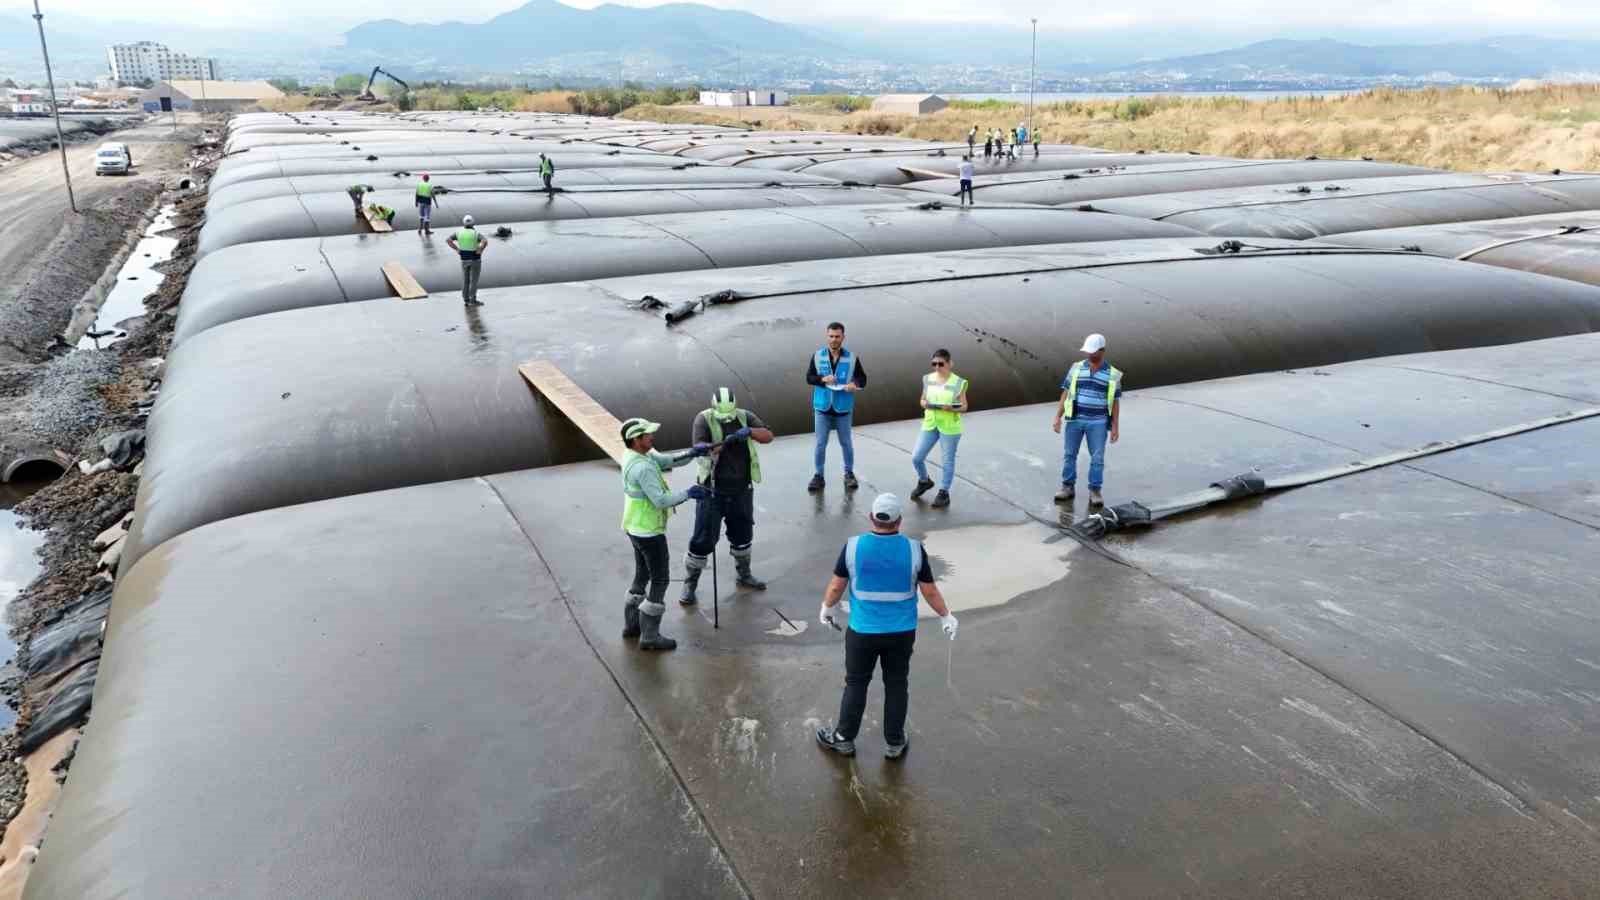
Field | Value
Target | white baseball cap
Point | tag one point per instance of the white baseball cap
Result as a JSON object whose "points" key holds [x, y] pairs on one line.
{"points": [[466, 220], [1094, 343], [886, 509]]}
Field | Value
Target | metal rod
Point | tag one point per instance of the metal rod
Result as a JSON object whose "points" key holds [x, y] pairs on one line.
{"points": [[716, 615], [1032, 67], [55, 108]]}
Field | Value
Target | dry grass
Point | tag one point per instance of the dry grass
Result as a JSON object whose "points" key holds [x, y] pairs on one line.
{"points": [[546, 102], [1469, 129], [288, 103]]}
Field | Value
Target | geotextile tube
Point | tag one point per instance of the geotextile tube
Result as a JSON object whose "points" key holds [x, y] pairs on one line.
{"points": [[243, 169], [892, 170], [1566, 245], [271, 276], [335, 400]]}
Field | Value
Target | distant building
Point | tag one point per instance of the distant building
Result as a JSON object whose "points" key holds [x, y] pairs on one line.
{"points": [[207, 96], [724, 98], [148, 59], [769, 97], [909, 104]]}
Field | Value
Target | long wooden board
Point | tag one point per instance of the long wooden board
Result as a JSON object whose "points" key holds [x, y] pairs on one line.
{"points": [[376, 223], [403, 282], [926, 173], [575, 403]]}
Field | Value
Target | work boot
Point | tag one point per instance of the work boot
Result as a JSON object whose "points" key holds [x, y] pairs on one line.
{"points": [[472, 302], [691, 580], [630, 615], [924, 485], [650, 636], [895, 751], [1095, 499], [830, 739], [941, 499], [747, 578], [1066, 493], [816, 484], [850, 482]]}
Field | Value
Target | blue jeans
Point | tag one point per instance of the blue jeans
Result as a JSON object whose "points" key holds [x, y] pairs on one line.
{"points": [[822, 423], [1076, 431], [947, 443]]}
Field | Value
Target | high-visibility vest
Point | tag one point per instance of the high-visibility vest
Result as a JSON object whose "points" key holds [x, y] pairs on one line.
{"points": [[883, 582], [715, 428], [640, 517], [425, 190], [1082, 367], [468, 239], [944, 421], [546, 167], [823, 399]]}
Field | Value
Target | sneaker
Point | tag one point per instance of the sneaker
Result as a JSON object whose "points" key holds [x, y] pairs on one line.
{"points": [[941, 500], [1066, 493], [816, 484], [924, 485], [895, 751], [1095, 499], [850, 482], [827, 738]]}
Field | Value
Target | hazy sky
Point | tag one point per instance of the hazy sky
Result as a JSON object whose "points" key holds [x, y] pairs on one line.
{"points": [[1551, 17]]}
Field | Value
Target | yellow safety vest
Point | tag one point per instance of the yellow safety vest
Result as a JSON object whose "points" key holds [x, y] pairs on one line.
{"points": [[944, 421], [640, 517], [1072, 388], [468, 239], [425, 190], [716, 438]]}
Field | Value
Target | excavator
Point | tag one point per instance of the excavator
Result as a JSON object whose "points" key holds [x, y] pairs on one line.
{"points": [[368, 96]]}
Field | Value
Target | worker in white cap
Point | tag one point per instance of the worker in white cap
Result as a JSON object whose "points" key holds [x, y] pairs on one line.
{"points": [[1090, 409], [883, 570], [648, 505], [470, 244]]}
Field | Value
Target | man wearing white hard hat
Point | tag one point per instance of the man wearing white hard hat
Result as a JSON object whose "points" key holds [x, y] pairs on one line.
{"points": [[470, 244], [1090, 409], [884, 571]]}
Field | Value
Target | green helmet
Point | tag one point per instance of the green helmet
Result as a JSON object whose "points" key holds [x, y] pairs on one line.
{"points": [[722, 403]]}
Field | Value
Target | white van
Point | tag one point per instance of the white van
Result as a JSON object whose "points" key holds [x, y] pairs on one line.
{"points": [[113, 158]]}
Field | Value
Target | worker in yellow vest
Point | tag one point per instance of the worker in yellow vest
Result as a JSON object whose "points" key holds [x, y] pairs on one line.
{"points": [[1092, 413], [646, 506], [425, 205], [944, 399], [470, 244]]}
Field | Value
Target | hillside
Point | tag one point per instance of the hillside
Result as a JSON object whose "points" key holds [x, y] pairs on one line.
{"points": [[1502, 57]]}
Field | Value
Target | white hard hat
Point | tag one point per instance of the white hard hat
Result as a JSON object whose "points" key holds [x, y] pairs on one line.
{"points": [[886, 509], [466, 220], [1094, 343]]}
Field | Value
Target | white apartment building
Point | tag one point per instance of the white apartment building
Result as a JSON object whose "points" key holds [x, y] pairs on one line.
{"points": [[148, 59]]}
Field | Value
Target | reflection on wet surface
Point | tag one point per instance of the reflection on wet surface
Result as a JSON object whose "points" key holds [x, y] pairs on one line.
{"points": [[136, 281], [18, 565]]}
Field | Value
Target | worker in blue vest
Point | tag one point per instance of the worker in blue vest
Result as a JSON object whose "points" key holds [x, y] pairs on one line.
{"points": [[1090, 409], [646, 506], [835, 375], [883, 571], [470, 244]]}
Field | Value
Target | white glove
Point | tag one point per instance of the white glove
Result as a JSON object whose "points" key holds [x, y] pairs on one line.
{"points": [[950, 625], [829, 616]]}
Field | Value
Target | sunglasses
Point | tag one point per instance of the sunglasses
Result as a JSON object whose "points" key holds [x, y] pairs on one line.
{"points": [[937, 363]]}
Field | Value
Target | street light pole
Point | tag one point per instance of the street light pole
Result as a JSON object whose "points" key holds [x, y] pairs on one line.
{"points": [[55, 108], [1032, 67]]}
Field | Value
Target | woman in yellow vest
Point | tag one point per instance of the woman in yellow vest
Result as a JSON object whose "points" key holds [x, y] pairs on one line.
{"points": [[944, 399]]}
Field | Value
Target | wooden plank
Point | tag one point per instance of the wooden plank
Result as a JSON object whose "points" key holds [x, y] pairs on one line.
{"points": [[376, 223], [401, 280], [575, 403], [925, 173]]}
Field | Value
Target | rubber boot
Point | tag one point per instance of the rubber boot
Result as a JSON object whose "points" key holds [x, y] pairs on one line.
{"points": [[650, 636], [691, 580], [630, 615], [747, 578]]}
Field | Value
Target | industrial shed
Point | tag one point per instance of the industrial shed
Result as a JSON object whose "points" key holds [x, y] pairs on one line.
{"points": [[208, 96], [909, 104]]}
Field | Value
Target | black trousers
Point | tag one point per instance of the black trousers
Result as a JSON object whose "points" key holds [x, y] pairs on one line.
{"points": [[650, 566], [737, 510], [862, 653]]}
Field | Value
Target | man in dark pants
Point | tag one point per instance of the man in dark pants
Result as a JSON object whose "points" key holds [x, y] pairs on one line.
{"points": [[730, 472], [647, 504], [883, 570]]}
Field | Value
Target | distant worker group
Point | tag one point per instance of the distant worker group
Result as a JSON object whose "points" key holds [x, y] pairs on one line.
{"points": [[1002, 144]]}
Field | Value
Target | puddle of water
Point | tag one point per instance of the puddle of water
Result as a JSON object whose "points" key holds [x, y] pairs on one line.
{"points": [[18, 565], [988, 565], [136, 281]]}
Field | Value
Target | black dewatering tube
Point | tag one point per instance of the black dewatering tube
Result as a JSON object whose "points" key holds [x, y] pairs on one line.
{"points": [[1134, 514]]}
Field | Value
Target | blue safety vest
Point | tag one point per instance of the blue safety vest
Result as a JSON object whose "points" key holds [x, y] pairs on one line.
{"points": [[883, 582], [823, 399]]}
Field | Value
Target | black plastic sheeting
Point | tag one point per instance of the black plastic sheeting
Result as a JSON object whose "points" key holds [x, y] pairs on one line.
{"points": [[1320, 208], [271, 276], [334, 400], [60, 668], [329, 214], [1566, 245], [1104, 182]]}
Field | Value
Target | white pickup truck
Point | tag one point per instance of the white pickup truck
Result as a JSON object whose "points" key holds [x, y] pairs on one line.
{"points": [[113, 159]]}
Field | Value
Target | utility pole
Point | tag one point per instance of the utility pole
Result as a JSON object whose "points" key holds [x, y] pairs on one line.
{"points": [[55, 108], [1032, 67]]}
